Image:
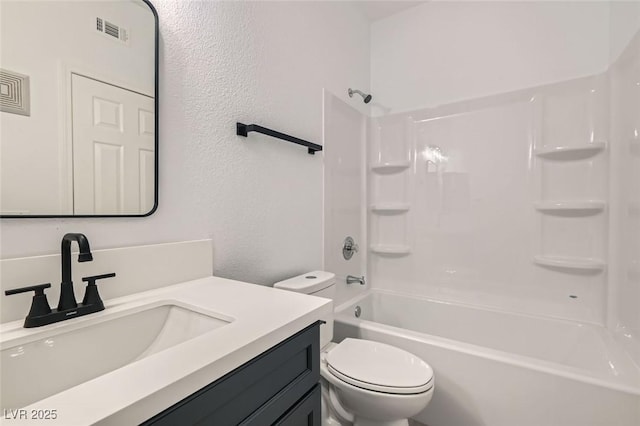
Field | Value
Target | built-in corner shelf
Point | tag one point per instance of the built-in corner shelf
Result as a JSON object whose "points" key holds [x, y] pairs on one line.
{"points": [[583, 264], [566, 153], [578, 207], [390, 208], [393, 249], [390, 167]]}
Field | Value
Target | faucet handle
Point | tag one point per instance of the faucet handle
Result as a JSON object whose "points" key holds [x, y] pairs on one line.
{"points": [[39, 289], [92, 279], [91, 295], [39, 303]]}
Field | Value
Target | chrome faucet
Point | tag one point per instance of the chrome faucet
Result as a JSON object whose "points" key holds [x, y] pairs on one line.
{"points": [[351, 279], [67, 297], [349, 248], [41, 313]]}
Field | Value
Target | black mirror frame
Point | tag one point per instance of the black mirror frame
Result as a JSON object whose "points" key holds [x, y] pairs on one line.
{"points": [[157, 155]]}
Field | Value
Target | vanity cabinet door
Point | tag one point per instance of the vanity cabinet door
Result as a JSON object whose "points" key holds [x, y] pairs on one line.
{"points": [[259, 392], [306, 412]]}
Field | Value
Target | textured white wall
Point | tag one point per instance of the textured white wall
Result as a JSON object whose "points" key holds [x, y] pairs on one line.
{"points": [[443, 52], [259, 199]]}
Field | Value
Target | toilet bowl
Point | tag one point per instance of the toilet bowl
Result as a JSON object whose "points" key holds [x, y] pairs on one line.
{"points": [[364, 383]]}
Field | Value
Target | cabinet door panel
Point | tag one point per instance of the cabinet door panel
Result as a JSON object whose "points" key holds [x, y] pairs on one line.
{"points": [[306, 412]]}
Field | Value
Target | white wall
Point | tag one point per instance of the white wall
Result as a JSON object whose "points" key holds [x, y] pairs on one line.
{"points": [[443, 52], [259, 199], [46, 40]]}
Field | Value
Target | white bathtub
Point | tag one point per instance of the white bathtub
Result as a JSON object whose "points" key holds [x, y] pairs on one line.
{"points": [[496, 368]]}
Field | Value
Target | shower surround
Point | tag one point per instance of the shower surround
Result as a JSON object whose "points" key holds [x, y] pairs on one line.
{"points": [[515, 198], [499, 194], [491, 220], [499, 201]]}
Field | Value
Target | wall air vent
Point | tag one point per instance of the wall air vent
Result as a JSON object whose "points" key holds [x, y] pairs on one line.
{"points": [[112, 30], [14, 93]]}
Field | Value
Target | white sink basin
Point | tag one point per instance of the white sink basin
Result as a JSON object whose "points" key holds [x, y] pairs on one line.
{"points": [[42, 364]]}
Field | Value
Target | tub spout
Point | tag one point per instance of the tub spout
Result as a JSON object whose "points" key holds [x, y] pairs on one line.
{"points": [[351, 279]]}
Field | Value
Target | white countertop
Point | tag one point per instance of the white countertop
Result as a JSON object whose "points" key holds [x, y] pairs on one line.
{"points": [[262, 317]]}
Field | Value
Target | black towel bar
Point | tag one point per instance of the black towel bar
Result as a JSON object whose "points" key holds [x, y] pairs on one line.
{"points": [[244, 129]]}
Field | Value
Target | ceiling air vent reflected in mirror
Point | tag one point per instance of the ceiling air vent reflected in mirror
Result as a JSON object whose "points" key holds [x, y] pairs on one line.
{"points": [[112, 30]]}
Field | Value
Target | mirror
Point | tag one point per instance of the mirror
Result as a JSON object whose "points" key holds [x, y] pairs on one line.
{"points": [[78, 111]]}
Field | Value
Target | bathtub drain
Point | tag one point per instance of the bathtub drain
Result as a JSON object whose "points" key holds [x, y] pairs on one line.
{"points": [[358, 311]]}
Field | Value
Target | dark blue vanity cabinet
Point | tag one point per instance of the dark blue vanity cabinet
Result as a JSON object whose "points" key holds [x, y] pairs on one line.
{"points": [[278, 387]]}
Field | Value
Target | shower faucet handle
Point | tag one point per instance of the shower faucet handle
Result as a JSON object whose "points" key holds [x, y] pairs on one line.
{"points": [[349, 248]]}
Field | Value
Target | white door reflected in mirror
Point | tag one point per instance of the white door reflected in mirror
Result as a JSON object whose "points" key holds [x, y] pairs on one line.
{"points": [[113, 149]]}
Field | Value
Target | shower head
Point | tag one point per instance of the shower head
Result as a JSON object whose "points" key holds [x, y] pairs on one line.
{"points": [[366, 97]]}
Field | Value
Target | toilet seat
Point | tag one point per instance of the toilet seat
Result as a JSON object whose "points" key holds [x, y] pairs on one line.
{"points": [[379, 367]]}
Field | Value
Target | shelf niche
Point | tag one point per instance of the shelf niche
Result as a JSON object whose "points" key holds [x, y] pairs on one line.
{"points": [[569, 153], [390, 167], [572, 263], [390, 249], [390, 208], [571, 207]]}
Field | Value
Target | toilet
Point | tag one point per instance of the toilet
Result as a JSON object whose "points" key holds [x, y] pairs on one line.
{"points": [[364, 383]]}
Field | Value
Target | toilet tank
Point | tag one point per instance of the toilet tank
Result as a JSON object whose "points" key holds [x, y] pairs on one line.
{"points": [[315, 283]]}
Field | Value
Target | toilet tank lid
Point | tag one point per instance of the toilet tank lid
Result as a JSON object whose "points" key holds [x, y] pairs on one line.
{"points": [[308, 283]]}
